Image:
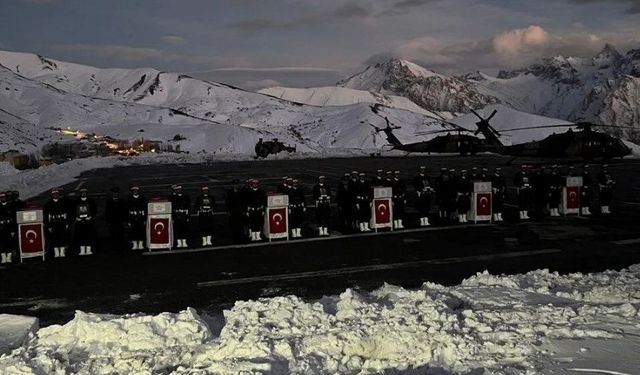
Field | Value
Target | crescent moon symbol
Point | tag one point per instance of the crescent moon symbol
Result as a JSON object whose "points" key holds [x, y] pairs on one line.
{"points": [[573, 195], [27, 235], [484, 201], [277, 217], [382, 208], [159, 224]]}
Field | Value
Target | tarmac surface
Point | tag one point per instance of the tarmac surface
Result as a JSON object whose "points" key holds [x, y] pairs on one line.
{"points": [[213, 278]]}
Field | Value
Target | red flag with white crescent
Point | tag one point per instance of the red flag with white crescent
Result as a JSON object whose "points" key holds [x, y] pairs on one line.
{"points": [[573, 197], [483, 204], [31, 238], [278, 220], [382, 210], [159, 231]]}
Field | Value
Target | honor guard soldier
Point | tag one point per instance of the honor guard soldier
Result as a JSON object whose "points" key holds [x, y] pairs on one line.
{"points": [[606, 183], [8, 229], [115, 214], [388, 179], [555, 185], [56, 221], [440, 183], [204, 206], [297, 208], [14, 199], [363, 202], [322, 197], [422, 185], [484, 175], [586, 191], [256, 199], [399, 190], [84, 227], [344, 199], [464, 186], [283, 187], [499, 190], [522, 182], [379, 179], [180, 207], [137, 218], [475, 175], [353, 188], [235, 209]]}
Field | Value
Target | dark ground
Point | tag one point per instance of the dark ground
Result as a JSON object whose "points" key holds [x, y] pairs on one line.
{"points": [[211, 279]]}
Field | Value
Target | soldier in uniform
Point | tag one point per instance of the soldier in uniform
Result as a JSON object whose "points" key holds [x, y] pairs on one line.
{"points": [[204, 206], [555, 191], [379, 179], [136, 217], [522, 182], [322, 197], [235, 205], [345, 207], [388, 180], [297, 208], [463, 190], [440, 193], [399, 190], [8, 230], [353, 188], [540, 186], [475, 175], [587, 191], [84, 228], [256, 199], [56, 221], [180, 214], [283, 187], [422, 185], [363, 202], [606, 182], [484, 175], [499, 190], [115, 214], [14, 199]]}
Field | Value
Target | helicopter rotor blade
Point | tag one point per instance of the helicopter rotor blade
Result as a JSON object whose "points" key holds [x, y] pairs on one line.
{"points": [[539, 127], [477, 115], [492, 114]]}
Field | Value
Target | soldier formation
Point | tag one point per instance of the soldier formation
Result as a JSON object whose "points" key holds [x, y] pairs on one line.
{"points": [[70, 223]]}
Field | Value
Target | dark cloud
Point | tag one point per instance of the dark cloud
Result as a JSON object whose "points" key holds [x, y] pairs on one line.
{"points": [[351, 10], [633, 5], [412, 3]]}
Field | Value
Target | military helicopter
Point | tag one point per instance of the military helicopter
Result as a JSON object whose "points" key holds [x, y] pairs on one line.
{"points": [[582, 143], [263, 149], [457, 142]]}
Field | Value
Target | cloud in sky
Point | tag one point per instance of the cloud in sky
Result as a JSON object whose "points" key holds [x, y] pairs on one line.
{"points": [[174, 39], [338, 36]]}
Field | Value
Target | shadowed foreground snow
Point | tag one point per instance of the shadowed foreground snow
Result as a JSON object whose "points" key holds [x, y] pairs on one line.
{"points": [[539, 322]]}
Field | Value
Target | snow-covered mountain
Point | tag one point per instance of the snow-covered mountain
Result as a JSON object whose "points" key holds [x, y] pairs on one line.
{"points": [[603, 89], [213, 117], [430, 90], [340, 96]]}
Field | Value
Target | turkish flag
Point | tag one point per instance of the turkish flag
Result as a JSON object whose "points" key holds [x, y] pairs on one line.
{"points": [[483, 204], [278, 220], [159, 231], [573, 197], [31, 238], [383, 210]]}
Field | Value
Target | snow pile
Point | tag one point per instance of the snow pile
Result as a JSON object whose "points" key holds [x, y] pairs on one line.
{"points": [[15, 330], [502, 324]]}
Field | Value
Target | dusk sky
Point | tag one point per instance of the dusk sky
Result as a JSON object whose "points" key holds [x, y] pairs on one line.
{"points": [[253, 43]]}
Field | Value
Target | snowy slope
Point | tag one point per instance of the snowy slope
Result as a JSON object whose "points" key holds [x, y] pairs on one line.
{"points": [[121, 102], [536, 323], [340, 96], [508, 118]]}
